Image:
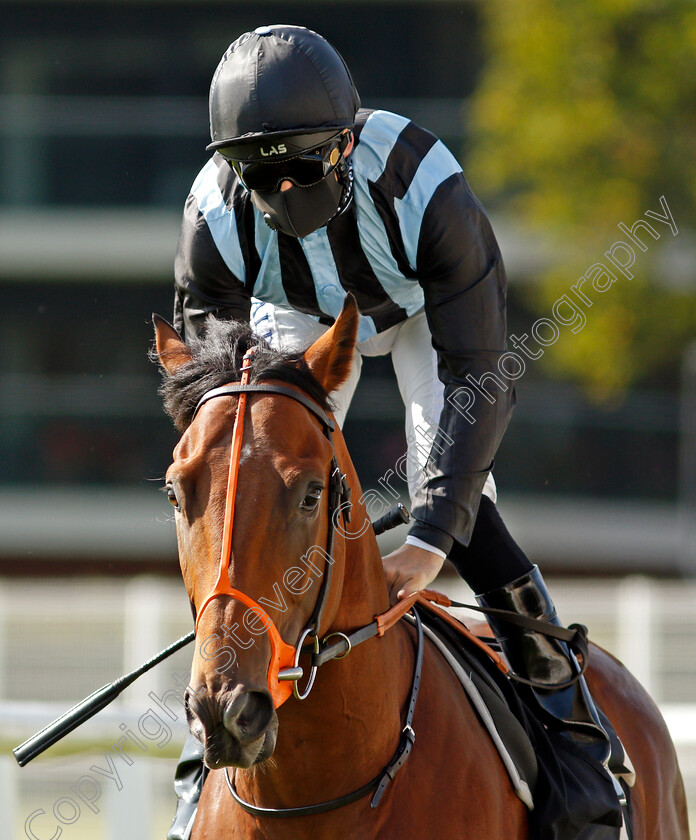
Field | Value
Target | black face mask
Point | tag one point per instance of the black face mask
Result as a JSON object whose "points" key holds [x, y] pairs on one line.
{"points": [[300, 211]]}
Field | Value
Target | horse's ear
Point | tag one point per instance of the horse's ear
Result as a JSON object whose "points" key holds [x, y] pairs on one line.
{"points": [[171, 350], [330, 357]]}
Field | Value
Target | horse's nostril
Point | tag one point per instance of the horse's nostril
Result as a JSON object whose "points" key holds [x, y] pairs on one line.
{"points": [[248, 715]]}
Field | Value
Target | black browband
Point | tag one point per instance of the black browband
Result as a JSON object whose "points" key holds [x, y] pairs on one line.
{"points": [[236, 388]]}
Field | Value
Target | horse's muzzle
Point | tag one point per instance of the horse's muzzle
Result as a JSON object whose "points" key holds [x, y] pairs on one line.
{"points": [[237, 730]]}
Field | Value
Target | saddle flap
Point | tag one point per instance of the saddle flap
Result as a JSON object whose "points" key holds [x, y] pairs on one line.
{"points": [[568, 794], [477, 667]]}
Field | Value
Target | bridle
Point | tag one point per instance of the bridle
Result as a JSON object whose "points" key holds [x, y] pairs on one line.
{"points": [[284, 665], [284, 670]]}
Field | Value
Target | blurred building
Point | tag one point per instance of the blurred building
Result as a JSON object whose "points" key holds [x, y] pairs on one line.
{"points": [[103, 124]]}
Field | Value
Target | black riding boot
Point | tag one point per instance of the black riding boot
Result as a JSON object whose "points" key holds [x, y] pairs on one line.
{"points": [[548, 661], [188, 783]]}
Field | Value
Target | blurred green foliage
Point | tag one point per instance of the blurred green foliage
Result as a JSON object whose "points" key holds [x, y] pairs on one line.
{"points": [[585, 115]]}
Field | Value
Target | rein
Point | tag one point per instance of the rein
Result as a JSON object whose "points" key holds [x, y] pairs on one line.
{"points": [[380, 782], [575, 635]]}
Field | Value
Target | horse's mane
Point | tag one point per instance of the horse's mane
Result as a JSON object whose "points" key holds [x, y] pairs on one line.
{"points": [[216, 360]]}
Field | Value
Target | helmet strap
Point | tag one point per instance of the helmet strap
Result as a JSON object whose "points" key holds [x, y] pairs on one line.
{"points": [[342, 165], [346, 179], [344, 170]]}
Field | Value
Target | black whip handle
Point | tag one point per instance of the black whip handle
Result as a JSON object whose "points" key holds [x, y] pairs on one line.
{"points": [[398, 515], [89, 707]]}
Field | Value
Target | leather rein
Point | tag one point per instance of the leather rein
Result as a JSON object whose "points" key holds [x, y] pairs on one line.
{"points": [[381, 780]]}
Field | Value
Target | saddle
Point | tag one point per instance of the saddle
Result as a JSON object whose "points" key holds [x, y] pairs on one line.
{"points": [[569, 796]]}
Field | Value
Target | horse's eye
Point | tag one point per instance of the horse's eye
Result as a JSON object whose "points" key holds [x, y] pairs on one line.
{"points": [[171, 495], [311, 500]]}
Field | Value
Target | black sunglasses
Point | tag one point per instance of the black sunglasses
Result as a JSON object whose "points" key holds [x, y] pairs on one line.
{"points": [[303, 170]]}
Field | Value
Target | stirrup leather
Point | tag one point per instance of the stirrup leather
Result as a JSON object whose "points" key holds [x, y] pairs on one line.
{"points": [[546, 661]]}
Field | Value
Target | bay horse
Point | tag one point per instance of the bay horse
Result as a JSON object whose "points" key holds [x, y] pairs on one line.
{"points": [[284, 567]]}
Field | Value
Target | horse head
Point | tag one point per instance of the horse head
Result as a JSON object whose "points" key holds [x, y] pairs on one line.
{"points": [[254, 526]]}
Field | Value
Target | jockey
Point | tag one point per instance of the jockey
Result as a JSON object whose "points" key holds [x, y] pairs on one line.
{"points": [[306, 197]]}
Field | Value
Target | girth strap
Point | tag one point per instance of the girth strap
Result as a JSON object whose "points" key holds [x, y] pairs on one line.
{"points": [[408, 736]]}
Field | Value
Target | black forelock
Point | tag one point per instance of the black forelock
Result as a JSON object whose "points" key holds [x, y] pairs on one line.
{"points": [[217, 360]]}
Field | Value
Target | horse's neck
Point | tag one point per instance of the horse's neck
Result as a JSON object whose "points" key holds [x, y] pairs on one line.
{"points": [[348, 728], [363, 593]]}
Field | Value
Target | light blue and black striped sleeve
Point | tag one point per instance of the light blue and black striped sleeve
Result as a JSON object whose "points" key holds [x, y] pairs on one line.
{"points": [[210, 269], [460, 269]]}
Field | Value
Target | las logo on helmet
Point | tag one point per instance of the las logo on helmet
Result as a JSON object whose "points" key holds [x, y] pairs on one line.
{"points": [[280, 149]]}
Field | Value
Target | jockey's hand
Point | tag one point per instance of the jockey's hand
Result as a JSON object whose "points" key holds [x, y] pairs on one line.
{"points": [[409, 569]]}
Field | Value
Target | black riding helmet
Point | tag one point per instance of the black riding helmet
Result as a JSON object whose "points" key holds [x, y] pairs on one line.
{"points": [[280, 101]]}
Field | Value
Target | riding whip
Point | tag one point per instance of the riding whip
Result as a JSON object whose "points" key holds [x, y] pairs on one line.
{"points": [[88, 707]]}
